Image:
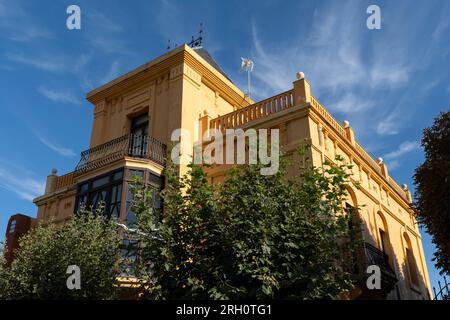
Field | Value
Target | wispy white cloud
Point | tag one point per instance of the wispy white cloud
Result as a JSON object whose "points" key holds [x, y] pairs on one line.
{"points": [[63, 151], [113, 72], [402, 107], [108, 44], [443, 24], [103, 21], [81, 62], [389, 75], [441, 29], [37, 62], [168, 11], [350, 102], [106, 34], [17, 24], [57, 96], [404, 148], [20, 181], [352, 70], [330, 55], [82, 70], [105, 37], [388, 126], [394, 164], [393, 158]]}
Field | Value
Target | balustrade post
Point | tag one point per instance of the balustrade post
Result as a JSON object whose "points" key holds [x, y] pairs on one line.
{"points": [[51, 182], [349, 132], [302, 90]]}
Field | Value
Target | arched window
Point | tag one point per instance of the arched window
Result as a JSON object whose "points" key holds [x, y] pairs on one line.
{"points": [[351, 209], [411, 261], [351, 197], [383, 236]]}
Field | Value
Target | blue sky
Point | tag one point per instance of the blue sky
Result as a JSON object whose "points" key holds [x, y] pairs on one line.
{"points": [[388, 83]]}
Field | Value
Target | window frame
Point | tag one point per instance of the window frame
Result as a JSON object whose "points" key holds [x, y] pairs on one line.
{"points": [[146, 175], [411, 264], [12, 226], [139, 133], [109, 186]]}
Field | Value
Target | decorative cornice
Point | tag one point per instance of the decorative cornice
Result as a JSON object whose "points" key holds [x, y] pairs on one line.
{"points": [[350, 149], [57, 195], [192, 65], [146, 72]]}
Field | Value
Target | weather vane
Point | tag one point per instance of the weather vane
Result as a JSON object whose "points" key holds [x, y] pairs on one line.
{"points": [[195, 43], [247, 66], [170, 46]]}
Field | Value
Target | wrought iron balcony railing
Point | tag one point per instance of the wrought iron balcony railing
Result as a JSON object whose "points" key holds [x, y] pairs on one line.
{"points": [[374, 256], [444, 291], [129, 145]]}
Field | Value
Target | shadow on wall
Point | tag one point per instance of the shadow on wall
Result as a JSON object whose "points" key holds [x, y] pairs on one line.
{"points": [[400, 275]]}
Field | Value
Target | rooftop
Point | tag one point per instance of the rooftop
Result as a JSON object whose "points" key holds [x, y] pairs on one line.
{"points": [[202, 52], [174, 57]]}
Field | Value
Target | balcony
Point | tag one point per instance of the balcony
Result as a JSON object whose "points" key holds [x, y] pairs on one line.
{"points": [[130, 145], [374, 256], [255, 111]]}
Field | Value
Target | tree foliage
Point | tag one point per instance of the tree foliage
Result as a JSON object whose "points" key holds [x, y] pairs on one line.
{"points": [[88, 241], [254, 236], [4, 275], [432, 180]]}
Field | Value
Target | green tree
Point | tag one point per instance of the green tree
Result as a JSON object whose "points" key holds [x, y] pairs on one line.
{"points": [[432, 196], [88, 241], [4, 274], [254, 236]]}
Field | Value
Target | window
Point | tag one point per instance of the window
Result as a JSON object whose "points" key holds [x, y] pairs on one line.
{"points": [[139, 136], [154, 183], [384, 241], [411, 262], [106, 189], [139, 125], [135, 173], [384, 244], [130, 247], [12, 227], [412, 267], [130, 220], [129, 251], [351, 212]]}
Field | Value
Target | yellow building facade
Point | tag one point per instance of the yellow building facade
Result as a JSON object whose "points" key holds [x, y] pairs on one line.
{"points": [[136, 114]]}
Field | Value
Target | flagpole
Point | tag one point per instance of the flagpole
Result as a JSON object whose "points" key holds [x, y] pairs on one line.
{"points": [[248, 83], [247, 65]]}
